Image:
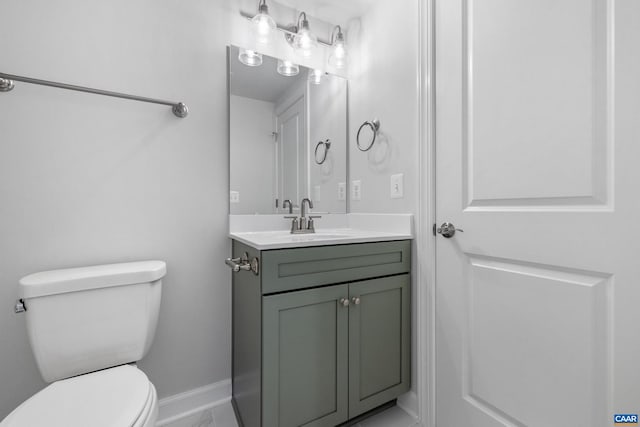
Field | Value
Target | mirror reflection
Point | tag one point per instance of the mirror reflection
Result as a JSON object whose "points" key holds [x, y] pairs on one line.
{"points": [[288, 132]]}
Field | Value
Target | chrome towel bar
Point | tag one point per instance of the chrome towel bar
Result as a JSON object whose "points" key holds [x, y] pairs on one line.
{"points": [[6, 84]]}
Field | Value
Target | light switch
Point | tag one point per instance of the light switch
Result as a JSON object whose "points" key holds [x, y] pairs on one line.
{"points": [[397, 186], [234, 196], [356, 190], [342, 191]]}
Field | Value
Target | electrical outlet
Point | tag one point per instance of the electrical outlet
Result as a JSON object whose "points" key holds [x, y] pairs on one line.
{"points": [[316, 193], [356, 190], [234, 196], [342, 191], [397, 186]]}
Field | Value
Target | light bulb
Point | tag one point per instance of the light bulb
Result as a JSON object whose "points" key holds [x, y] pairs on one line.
{"points": [[305, 41], [315, 76], [250, 57], [338, 57], [263, 25], [287, 68]]}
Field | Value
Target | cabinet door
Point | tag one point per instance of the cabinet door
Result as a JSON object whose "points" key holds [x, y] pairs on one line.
{"points": [[379, 342], [305, 344]]}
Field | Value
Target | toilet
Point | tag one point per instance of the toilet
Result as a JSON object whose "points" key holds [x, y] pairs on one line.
{"points": [[87, 328]]}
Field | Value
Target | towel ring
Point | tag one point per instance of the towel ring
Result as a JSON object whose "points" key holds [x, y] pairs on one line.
{"points": [[326, 144], [375, 126]]}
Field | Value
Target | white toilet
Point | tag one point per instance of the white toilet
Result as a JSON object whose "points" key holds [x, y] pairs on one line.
{"points": [[86, 325]]}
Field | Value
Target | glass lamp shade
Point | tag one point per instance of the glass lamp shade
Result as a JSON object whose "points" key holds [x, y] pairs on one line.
{"points": [[305, 41], [264, 26], [338, 57], [250, 57], [287, 68], [315, 76]]}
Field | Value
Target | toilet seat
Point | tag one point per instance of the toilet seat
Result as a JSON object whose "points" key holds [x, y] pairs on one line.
{"points": [[114, 397]]}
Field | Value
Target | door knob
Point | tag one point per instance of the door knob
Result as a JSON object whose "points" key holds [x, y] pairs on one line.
{"points": [[344, 302], [355, 300], [448, 230]]}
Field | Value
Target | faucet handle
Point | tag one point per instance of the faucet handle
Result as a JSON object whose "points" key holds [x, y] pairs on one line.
{"points": [[310, 224]]}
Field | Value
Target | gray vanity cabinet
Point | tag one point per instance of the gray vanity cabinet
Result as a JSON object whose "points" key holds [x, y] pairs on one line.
{"points": [[322, 334]]}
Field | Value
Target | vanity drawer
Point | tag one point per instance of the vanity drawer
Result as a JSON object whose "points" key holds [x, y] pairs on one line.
{"points": [[298, 268]]}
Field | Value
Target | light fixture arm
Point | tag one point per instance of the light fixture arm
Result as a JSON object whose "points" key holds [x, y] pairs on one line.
{"points": [[305, 22], [339, 36]]}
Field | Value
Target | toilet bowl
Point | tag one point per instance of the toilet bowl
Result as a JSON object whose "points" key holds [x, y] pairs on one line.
{"points": [[86, 326], [120, 396]]}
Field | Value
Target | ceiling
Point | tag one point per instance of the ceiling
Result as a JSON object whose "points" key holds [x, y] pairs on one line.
{"points": [[263, 82]]}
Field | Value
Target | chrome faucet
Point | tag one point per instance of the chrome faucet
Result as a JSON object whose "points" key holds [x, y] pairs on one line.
{"points": [[303, 224], [302, 209], [285, 203]]}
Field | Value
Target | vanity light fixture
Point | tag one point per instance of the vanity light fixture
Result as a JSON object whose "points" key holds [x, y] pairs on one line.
{"points": [[250, 57], [304, 41], [315, 76], [338, 57], [287, 68], [264, 26]]}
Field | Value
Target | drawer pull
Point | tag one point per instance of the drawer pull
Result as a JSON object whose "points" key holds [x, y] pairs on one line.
{"points": [[344, 302], [356, 300]]}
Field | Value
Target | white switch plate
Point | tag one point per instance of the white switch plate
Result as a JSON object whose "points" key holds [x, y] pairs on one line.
{"points": [[234, 196], [356, 190], [316, 193], [342, 191], [397, 186]]}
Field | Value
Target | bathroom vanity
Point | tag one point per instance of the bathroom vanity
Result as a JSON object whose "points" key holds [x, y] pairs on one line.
{"points": [[321, 334]]}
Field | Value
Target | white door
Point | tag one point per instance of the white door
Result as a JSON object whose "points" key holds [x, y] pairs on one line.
{"points": [[538, 161], [291, 148]]}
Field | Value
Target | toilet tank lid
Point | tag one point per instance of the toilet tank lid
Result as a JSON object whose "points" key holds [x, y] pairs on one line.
{"points": [[93, 277]]}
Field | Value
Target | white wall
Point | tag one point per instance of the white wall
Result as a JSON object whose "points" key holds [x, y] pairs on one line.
{"points": [[383, 77], [328, 120], [252, 149], [86, 179]]}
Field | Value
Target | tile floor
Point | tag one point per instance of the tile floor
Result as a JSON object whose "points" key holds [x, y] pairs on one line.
{"points": [[223, 416]]}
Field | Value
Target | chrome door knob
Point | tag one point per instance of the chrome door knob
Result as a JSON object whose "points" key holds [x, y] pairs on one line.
{"points": [[355, 300], [344, 302], [448, 230]]}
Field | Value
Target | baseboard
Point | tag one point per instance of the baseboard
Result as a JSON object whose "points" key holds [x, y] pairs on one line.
{"points": [[409, 403], [190, 402]]}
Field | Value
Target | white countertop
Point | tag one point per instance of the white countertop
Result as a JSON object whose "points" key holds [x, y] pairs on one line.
{"points": [[257, 230]]}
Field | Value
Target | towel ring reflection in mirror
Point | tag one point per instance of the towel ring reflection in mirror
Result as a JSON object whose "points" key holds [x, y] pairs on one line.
{"points": [[323, 152], [375, 126]]}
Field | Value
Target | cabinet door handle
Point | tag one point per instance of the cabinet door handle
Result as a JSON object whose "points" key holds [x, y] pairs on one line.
{"points": [[344, 302], [356, 300]]}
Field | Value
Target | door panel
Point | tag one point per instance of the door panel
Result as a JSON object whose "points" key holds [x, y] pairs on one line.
{"points": [[292, 165], [535, 301], [535, 102], [305, 338], [379, 348]]}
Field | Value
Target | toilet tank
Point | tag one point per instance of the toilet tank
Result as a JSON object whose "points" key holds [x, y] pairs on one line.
{"points": [[85, 319]]}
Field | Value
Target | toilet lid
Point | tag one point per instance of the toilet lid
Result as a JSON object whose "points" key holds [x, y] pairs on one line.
{"points": [[107, 398]]}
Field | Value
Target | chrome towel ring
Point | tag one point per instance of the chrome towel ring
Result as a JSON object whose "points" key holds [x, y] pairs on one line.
{"points": [[375, 126], [323, 153]]}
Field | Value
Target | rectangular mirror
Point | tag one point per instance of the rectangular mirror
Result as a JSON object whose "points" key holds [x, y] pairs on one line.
{"points": [[287, 136]]}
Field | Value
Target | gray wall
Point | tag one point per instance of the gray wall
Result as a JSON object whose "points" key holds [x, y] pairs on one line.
{"points": [[87, 179]]}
